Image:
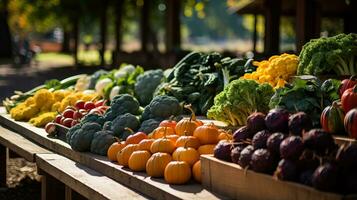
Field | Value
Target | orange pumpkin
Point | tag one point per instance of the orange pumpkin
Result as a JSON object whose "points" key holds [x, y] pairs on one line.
{"points": [[160, 132], [124, 155], [187, 126], [135, 138], [177, 172], [187, 154], [206, 149], [196, 171], [138, 159], [173, 138], [155, 166], [162, 145], [114, 149], [145, 144], [188, 141], [168, 123], [207, 134]]}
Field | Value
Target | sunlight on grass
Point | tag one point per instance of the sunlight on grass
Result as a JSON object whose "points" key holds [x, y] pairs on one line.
{"points": [[90, 57]]}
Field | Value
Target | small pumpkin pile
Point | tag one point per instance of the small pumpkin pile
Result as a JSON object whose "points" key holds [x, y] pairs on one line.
{"points": [[341, 116], [171, 151]]}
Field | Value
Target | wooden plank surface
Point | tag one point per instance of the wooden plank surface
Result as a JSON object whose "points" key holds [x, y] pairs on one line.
{"points": [[237, 183], [20, 145], [155, 188], [87, 182]]}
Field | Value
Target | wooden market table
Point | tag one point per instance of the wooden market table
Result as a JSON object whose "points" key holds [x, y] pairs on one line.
{"points": [[63, 155]]}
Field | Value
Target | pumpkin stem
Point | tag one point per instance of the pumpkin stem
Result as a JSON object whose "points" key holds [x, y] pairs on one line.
{"points": [[129, 129], [193, 115], [117, 139]]}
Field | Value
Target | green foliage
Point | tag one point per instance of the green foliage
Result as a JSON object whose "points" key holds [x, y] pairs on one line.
{"points": [[309, 96], [332, 54], [238, 100]]}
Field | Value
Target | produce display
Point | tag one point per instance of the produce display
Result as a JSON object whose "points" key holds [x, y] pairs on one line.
{"points": [[309, 156], [171, 151], [284, 114]]}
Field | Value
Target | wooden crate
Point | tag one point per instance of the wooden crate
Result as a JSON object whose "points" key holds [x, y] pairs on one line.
{"points": [[231, 180]]}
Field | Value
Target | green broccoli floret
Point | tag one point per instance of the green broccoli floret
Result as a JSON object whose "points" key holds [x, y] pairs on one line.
{"points": [[101, 142], [238, 100], [323, 55], [123, 103], [93, 118], [162, 107], [81, 138], [149, 125], [121, 122], [146, 84]]}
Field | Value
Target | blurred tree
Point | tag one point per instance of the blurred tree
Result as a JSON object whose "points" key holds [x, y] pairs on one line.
{"points": [[5, 35]]}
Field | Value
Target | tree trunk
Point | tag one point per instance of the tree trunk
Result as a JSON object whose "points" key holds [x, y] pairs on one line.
{"points": [[173, 33], [5, 35], [103, 31], [118, 27], [76, 40], [66, 42], [144, 25]]}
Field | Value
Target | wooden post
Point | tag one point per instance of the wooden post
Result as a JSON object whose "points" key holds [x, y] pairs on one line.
{"points": [[73, 195], [350, 18], [173, 32], [118, 27], [3, 166], [255, 33], [308, 21], [145, 25], [272, 24], [103, 31], [51, 188]]}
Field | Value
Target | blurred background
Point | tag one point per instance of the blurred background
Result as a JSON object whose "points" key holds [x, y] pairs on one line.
{"points": [[54, 38]]}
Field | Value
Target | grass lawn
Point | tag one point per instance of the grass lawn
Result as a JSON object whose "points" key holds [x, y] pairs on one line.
{"points": [[90, 57]]}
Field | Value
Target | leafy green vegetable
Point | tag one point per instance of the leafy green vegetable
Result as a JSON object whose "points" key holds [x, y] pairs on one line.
{"points": [[309, 96], [332, 54], [238, 100]]}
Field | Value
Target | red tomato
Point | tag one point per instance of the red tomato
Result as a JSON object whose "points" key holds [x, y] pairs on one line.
{"points": [[89, 105], [79, 104], [68, 113], [58, 119], [67, 122]]}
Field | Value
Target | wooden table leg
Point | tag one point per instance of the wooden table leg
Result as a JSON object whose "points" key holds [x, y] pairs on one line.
{"points": [[3, 165], [73, 195], [51, 188]]}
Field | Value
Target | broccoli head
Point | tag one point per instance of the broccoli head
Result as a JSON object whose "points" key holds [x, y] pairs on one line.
{"points": [[81, 138], [93, 118], [121, 122], [124, 103], [149, 125], [162, 107], [146, 84]]}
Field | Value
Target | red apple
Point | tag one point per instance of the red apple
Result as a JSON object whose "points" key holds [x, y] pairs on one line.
{"points": [[68, 113], [50, 128], [79, 104], [67, 122], [89, 105]]}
